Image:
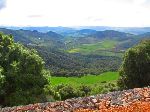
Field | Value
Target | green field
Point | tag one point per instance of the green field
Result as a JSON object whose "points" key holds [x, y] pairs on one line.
{"points": [[87, 48], [104, 48], [89, 80]]}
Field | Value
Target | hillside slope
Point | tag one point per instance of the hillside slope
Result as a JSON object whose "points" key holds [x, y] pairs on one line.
{"points": [[35, 38], [132, 100]]}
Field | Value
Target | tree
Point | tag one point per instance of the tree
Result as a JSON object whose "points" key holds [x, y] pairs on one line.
{"points": [[135, 69], [67, 91], [85, 89], [21, 74]]}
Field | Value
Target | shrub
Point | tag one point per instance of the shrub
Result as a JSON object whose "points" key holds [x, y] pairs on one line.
{"points": [[21, 74], [135, 69]]}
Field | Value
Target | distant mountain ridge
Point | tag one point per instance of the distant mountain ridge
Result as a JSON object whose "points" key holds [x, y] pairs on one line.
{"points": [[73, 37], [60, 29], [65, 31], [112, 34]]}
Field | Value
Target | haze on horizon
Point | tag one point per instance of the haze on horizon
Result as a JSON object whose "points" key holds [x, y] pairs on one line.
{"points": [[116, 13]]}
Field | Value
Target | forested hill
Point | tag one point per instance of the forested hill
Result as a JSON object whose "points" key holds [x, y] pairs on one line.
{"points": [[27, 37], [71, 52], [66, 64], [112, 34], [60, 38]]}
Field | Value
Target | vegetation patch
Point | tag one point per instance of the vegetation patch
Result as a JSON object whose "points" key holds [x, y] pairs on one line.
{"points": [[63, 88], [86, 80], [104, 48]]}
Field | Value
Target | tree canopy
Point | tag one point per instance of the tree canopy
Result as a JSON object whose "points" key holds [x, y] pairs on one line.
{"points": [[135, 69], [22, 74]]}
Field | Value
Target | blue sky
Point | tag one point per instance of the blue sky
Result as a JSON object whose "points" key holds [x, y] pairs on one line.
{"points": [[119, 13]]}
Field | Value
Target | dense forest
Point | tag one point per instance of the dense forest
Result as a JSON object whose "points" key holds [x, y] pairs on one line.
{"points": [[64, 64], [78, 52]]}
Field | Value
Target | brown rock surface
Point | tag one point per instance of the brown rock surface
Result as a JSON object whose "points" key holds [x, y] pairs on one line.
{"points": [[133, 100]]}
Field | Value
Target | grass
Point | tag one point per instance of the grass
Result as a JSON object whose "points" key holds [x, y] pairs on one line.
{"points": [[103, 48], [89, 80], [74, 50]]}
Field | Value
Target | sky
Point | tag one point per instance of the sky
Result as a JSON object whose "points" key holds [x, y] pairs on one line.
{"points": [[115, 13]]}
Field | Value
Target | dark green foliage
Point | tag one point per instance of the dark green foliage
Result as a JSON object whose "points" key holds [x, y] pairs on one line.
{"points": [[135, 70], [21, 74], [112, 34], [67, 91], [111, 87], [51, 93], [64, 64], [85, 90], [52, 47]]}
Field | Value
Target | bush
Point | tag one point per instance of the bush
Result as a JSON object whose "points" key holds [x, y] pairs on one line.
{"points": [[85, 90], [21, 74], [135, 69], [67, 92]]}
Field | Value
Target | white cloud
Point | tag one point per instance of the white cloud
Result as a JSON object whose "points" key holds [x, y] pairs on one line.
{"points": [[76, 13]]}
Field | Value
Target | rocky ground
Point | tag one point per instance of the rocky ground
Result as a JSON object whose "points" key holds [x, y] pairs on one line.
{"points": [[133, 100]]}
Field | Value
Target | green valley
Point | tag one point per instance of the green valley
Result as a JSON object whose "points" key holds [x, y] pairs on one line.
{"points": [[89, 80], [68, 87], [104, 48]]}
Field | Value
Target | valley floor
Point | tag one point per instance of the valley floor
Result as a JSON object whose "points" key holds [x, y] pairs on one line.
{"points": [[89, 80], [85, 85]]}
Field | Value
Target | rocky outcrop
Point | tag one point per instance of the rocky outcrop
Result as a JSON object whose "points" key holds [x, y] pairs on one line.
{"points": [[137, 99]]}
